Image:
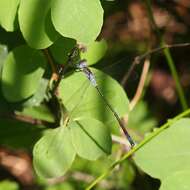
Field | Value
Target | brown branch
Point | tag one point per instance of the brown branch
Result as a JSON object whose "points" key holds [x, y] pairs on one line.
{"points": [[50, 61], [22, 118]]}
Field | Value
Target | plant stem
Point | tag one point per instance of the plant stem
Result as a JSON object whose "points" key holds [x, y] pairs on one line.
{"points": [[176, 78], [137, 147], [168, 57], [141, 84]]}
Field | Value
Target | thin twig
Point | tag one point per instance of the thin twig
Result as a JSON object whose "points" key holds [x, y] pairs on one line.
{"points": [[162, 48], [62, 70], [50, 61], [22, 118], [137, 60], [141, 84]]}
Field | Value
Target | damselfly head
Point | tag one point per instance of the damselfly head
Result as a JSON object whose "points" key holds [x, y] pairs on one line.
{"points": [[82, 64]]}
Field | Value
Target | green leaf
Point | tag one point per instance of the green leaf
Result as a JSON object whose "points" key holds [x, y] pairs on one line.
{"points": [[61, 186], [54, 153], [40, 94], [78, 19], [61, 48], [38, 112], [167, 153], [95, 51], [22, 72], [18, 134], [3, 55], [35, 23], [176, 181], [77, 93], [8, 185], [8, 11], [91, 138]]}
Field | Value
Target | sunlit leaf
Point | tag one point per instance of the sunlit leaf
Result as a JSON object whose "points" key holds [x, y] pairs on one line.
{"points": [[91, 138], [22, 72], [8, 11], [40, 94], [95, 51], [78, 94], [167, 154], [178, 180], [8, 185], [54, 153], [78, 19], [35, 23]]}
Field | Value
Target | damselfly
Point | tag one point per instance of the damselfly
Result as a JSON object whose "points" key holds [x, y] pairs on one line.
{"points": [[82, 66], [82, 131]]}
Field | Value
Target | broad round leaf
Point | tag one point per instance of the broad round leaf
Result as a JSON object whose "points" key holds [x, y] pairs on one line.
{"points": [[61, 48], [40, 94], [178, 180], [35, 23], [95, 51], [3, 55], [8, 11], [22, 72], [167, 153], [54, 153], [8, 185], [78, 19], [91, 138], [77, 93]]}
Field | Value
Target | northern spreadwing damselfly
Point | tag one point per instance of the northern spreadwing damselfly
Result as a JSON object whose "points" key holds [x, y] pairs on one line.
{"points": [[90, 104], [98, 91]]}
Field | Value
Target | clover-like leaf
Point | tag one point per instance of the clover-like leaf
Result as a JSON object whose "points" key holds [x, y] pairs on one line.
{"points": [[77, 93], [54, 153], [91, 138], [95, 51], [22, 71], [8, 11], [78, 19], [178, 180], [167, 156], [35, 23]]}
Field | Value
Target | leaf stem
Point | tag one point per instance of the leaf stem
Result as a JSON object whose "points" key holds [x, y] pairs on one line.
{"points": [[137, 147]]}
